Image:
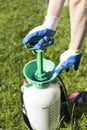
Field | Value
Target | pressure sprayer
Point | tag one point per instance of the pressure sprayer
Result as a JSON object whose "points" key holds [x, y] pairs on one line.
{"points": [[41, 94]]}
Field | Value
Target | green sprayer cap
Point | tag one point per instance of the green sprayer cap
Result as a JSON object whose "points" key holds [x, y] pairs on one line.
{"points": [[39, 71]]}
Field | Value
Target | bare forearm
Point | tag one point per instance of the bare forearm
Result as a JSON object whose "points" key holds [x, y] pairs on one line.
{"points": [[55, 7], [78, 18]]}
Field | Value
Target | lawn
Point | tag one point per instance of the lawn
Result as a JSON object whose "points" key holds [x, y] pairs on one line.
{"points": [[16, 19]]}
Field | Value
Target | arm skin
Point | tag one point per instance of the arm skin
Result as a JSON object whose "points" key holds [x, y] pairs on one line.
{"points": [[78, 19], [55, 7]]}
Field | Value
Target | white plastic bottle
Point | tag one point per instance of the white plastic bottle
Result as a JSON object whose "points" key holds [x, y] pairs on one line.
{"points": [[43, 106]]}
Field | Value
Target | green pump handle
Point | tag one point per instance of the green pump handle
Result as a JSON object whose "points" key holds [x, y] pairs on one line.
{"points": [[40, 73], [31, 47]]}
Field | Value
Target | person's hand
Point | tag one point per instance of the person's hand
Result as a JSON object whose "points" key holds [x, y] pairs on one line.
{"points": [[42, 35], [67, 59]]}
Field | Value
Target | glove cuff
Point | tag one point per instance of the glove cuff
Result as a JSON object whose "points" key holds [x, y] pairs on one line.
{"points": [[51, 22], [75, 50]]}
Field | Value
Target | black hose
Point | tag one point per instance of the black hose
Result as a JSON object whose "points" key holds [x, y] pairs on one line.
{"points": [[65, 106]]}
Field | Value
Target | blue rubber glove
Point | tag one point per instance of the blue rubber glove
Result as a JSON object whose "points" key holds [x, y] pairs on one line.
{"points": [[67, 59], [42, 35]]}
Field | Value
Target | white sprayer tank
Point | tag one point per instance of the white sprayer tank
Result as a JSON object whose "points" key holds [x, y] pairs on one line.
{"points": [[43, 106]]}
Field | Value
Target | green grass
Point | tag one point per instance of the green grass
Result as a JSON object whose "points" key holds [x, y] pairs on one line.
{"points": [[16, 19]]}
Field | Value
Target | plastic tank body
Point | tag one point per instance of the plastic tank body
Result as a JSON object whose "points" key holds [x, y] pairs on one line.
{"points": [[43, 106], [42, 96]]}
